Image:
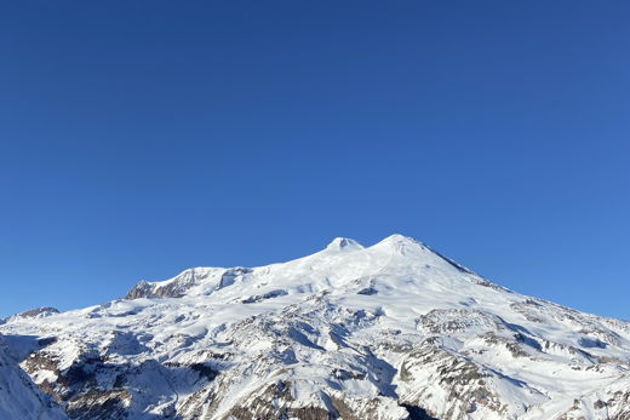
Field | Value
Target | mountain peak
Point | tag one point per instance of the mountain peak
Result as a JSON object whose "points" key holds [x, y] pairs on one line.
{"points": [[340, 243], [400, 243], [399, 238], [323, 334]]}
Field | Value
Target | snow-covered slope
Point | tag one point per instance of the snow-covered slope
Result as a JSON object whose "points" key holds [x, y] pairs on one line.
{"points": [[391, 331], [19, 397]]}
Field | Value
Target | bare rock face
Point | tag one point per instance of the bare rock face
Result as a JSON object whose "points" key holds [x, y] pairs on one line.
{"points": [[174, 289], [39, 312], [394, 331]]}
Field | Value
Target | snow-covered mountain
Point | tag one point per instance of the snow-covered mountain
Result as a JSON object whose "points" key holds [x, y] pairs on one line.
{"points": [[391, 331], [19, 396]]}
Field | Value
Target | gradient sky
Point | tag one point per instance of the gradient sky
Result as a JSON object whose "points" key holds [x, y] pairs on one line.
{"points": [[141, 138]]}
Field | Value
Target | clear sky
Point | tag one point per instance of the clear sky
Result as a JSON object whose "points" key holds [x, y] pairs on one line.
{"points": [[141, 138]]}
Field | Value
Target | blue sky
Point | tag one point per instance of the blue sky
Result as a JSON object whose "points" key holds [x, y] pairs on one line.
{"points": [[141, 138]]}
